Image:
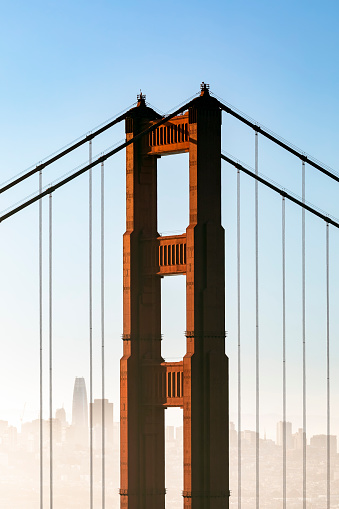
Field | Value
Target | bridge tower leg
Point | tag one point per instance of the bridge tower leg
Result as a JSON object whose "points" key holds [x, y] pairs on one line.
{"points": [[205, 363], [142, 426], [198, 384]]}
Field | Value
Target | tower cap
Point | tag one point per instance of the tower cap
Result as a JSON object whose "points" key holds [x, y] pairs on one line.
{"points": [[141, 99], [205, 89]]}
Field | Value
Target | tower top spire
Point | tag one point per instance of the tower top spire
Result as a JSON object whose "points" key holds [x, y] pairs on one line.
{"points": [[205, 89], [141, 99]]}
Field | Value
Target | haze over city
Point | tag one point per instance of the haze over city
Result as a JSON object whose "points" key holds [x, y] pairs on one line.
{"points": [[19, 460]]}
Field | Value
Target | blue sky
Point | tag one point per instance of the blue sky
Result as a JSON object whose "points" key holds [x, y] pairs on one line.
{"points": [[68, 66]]}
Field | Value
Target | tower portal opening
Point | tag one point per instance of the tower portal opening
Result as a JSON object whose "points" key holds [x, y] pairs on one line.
{"points": [[173, 196], [173, 317]]}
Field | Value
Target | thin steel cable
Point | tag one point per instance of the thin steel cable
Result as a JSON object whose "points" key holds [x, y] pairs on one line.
{"points": [[40, 353], [103, 332], [328, 218], [53, 187], [62, 152], [50, 362], [284, 344], [239, 341], [304, 335], [328, 452], [256, 328], [286, 145], [90, 254]]}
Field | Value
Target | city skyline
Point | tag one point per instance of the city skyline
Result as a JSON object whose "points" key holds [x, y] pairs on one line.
{"points": [[72, 466]]}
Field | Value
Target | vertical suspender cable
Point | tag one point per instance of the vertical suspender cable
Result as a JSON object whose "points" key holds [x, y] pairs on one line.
{"points": [[50, 361], [103, 334], [304, 336], [284, 347], [40, 334], [256, 325], [328, 367], [239, 349], [90, 222]]}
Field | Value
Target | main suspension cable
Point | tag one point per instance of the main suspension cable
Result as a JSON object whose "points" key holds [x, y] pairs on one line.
{"points": [[280, 190], [281, 142], [69, 148], [99, 160]]}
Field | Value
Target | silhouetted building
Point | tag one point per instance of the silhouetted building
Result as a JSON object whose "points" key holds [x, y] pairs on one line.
{"points": [[60, 414], [80, 411], [320, 442], [298, 439], [169, 433], [97, 422], [233, 434], [80, 408], [280, 434], [249, 436]]}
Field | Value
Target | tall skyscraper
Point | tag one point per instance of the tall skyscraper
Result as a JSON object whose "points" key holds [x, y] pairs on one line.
{"points": [[80, 406], [280, 434]]}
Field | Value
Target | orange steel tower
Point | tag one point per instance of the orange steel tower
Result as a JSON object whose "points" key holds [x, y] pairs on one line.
{"points": [[199, 383]]}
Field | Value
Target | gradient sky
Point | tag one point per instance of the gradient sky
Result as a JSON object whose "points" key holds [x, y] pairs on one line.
{"points": [[68, 66]]}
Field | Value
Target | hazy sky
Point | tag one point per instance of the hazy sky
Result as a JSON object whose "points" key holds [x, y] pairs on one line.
{"points": [[68, 66]]}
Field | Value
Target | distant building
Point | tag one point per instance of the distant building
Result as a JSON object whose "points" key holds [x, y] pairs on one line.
{"points": [[320, 442], [80, 407], [249, 436], [179, 434], [169, 433], [60, 414], [30, 434], [60, 417], [280, 434], [298, 439], [97, 422], [80, 411], [233, 435]]}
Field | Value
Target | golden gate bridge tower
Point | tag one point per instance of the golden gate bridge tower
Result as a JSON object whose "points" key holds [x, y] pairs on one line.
{"points": [[199, 383]]}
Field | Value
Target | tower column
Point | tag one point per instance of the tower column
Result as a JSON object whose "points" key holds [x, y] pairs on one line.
{"points": [[142, 425], [205, 363]]}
